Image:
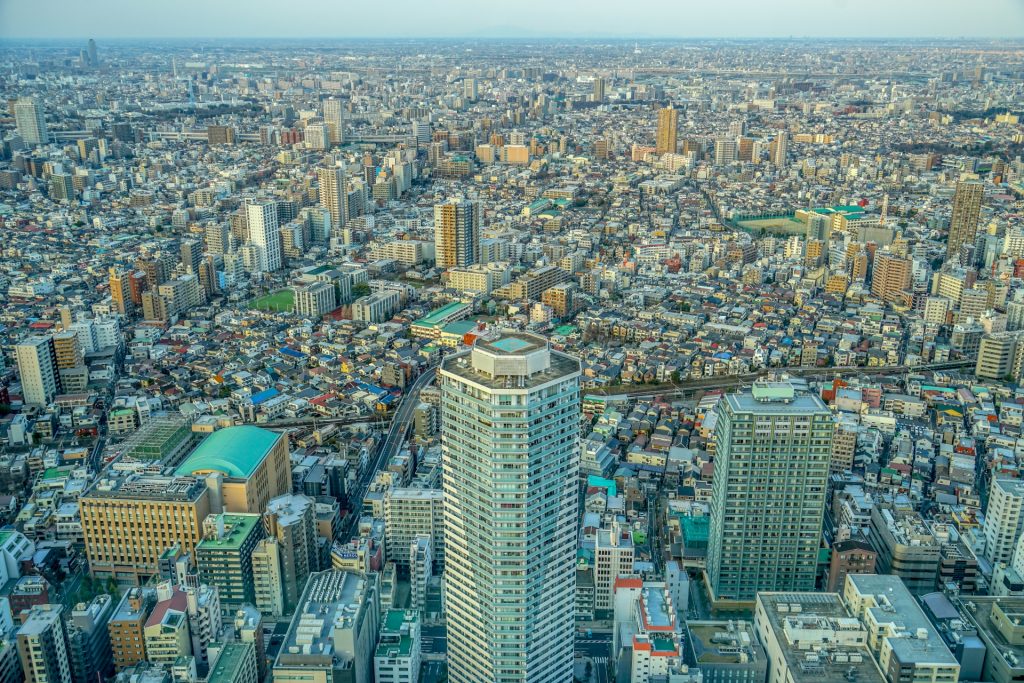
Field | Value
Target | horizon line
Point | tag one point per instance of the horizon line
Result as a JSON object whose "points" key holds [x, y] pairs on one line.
{"points": [[546, 36]]}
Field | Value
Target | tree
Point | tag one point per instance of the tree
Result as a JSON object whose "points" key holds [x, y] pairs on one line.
{"points": [[588, 670], [361, 289]]}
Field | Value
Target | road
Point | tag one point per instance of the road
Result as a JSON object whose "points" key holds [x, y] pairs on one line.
{"points": [[400, 422]]}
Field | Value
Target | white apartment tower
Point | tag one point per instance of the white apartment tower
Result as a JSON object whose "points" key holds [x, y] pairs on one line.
{"points": [[332, 194], [510, 453], [37, 367], [265, 234]]}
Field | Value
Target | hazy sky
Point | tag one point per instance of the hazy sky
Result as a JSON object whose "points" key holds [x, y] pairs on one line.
{"points": [[484, 18]]}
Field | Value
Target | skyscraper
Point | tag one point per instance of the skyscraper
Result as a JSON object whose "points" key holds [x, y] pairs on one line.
{"points": [[599, 87], [668, 125], [457, 233], [94, 60], [37, 367], [265, 233], [780, 149], [334, 119], [469, 89], [332, 194], [963, 224], [772, 454], [28, 115], [510, 455], [43, 645]]}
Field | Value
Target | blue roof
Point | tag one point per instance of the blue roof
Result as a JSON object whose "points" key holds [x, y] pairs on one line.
{"points": [[264, 396], [287, 351]]}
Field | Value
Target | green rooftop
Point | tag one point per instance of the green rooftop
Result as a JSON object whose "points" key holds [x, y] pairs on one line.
{"points": [[237, 528], [439, 317], [235, 451], [232, 656]]}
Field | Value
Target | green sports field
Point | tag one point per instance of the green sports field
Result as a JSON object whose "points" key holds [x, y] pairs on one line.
{"points": [[283, 300]]}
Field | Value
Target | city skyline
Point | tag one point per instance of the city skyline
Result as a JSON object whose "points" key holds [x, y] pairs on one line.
{"points": [[109, 19]]}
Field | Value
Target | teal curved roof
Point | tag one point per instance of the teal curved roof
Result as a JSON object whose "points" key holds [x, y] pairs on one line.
{"points": [[235, 451]]}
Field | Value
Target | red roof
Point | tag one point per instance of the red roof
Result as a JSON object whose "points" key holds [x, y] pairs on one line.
{"points": [[177, 602]]}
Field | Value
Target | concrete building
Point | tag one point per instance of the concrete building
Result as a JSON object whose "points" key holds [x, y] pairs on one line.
{"points": [[963, 223], [334, 119], [514, 380], [264, 234], [268, 584], [333, 632], [849, 556], [998, 621], [233, 662], [613, 558], [166, 633], [224, 556], [397, 657], [421, 569], [907, 646], [725, 651], [332, 195], [906, 547], [244, 467], [647, 635], [813, 638], [890, 276], [37, 368], [668, 130], [411, 512], [29, 119], [89, 640], [1000, 356], [1004, 520], [457, 226], [314, 300], [291, 520], [377, 307], [772, 453], [126, 627], [43, 646], [128, 523]]}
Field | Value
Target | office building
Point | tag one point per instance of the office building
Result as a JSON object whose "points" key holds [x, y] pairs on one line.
{"points": [[264, 234], [457, 233], [906, 645], [510, 433], [334, 119], [127, 627], [397, 658], [408, 513], [1004, 519], [377, 307], [244, 467], [773, 446], [233, 662], [128, 522], [224, 556], [28, 117], [963, 223], [599, 88], [813, 637], [291, 521], [470, 89], [333, 633], [906, 547], [332, 194], [37, 368], [249, 629], [43, 645], [668, 129], [726, 151]]}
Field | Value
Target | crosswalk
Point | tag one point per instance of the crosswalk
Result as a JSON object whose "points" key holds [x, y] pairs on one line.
{"points": [[593, 642], [599, 660]]}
